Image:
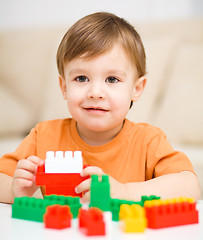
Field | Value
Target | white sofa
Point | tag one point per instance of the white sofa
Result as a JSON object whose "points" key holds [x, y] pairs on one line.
{"points": [[173, 99]]}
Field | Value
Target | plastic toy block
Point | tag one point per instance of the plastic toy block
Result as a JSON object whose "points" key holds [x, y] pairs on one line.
{"points": [[57, 217], [171, 212], [43, 178], [115, 207], [133, 218], [29, 208], [63, 162], [149, 198], [100, 193], [59, 183], [91, 222], [72, 202], [66, 190]]}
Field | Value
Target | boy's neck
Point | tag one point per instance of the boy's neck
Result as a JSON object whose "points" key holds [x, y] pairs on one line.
{"points": [[95, 138]]}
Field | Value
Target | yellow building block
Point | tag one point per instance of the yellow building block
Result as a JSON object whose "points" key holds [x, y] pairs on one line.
{"points": [[133, 218], [167, 201]]}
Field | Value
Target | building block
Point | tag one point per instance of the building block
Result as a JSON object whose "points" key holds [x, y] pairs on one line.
{"points": [[57, 217], [115, 207], [171, 212], [149, 198], [63, 162], [29, 208], [60, 183], [108, 224], [72, 202], [66, 190], [133, 218], [100, 193], [91, 221], [116, 203]]}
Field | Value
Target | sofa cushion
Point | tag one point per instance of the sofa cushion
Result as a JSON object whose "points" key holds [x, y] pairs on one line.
{"points": [[180, 112]]}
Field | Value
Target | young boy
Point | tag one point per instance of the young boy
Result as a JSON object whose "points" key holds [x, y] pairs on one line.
{"points": [[101, 64]]}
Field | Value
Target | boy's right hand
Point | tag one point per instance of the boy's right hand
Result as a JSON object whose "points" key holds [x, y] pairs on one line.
{"points": [[24, 176]]}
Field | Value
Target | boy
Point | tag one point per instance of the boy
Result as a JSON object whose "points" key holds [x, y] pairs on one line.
{"points": [[101, 64]]}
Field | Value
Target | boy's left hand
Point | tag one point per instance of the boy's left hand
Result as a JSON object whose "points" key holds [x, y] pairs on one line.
{"points": [[117, 189]]}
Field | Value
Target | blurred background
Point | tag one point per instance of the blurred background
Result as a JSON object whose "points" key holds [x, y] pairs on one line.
{"points": [[172, 33]]}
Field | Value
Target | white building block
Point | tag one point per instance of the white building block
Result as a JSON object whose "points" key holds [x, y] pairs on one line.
{"points": [[108, 224], [63, 162]]}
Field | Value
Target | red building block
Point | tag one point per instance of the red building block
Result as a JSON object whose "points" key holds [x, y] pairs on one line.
{"points": [[58, 217], [171, 212], [91, 221], [65, 190], [58, 183]]}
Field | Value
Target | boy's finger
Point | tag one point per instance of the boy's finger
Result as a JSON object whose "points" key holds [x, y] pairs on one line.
{"points": [[35, 160], [23, 182], [26, 164], [86, 197], [83, 186], [23, 174], [92, 170]]}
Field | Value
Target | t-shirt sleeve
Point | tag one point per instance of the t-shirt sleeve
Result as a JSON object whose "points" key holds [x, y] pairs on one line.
{"points": [[163, 159], [26, 148]]}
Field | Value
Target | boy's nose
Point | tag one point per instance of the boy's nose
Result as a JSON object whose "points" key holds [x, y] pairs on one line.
{"points": [[96, 91]]}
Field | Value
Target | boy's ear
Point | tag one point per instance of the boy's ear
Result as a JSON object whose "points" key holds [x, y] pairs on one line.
{"points": [[62, 83], [139, 88]]}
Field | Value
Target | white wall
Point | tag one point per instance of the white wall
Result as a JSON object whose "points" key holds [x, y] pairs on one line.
{"points": [[26, 13]]}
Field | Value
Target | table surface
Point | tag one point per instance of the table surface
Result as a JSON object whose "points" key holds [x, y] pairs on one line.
{"points": [[12, 229]]}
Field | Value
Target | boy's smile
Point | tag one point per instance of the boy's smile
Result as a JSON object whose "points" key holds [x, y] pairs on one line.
{"points": [[95, 110], [99, 91]]}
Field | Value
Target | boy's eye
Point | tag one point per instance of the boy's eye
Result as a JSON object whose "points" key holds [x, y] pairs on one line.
{"points": [[112, 80], [81, 79]]}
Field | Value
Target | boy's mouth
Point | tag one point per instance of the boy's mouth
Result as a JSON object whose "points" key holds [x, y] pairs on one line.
{"points": [[95, 109]]}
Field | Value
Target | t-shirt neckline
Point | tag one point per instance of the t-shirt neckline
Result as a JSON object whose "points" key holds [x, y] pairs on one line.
{"points": [[90, 148]]}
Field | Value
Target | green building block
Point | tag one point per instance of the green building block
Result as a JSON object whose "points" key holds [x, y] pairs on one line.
{"points": [[28, 208], [72, 202], [116, 203], [149, 198], [100, 193]]}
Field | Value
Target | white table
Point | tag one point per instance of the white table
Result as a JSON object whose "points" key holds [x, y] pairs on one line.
{"points": [[16, 229]]}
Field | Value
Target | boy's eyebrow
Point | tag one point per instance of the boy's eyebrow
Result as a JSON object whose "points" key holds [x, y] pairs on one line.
{"points": [[115, 72], [109, 72], [77, 70]]}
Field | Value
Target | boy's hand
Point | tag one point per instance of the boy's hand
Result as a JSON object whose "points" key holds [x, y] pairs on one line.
{"points": [[117, 189], [24, 176]]}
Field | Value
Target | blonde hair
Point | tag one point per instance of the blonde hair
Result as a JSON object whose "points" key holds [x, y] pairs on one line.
{"points": [[97, 33]]}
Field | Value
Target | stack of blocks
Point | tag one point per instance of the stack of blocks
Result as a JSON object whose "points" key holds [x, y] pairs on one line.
{"points": [[116, 204], [61, 173], [29, 208], [72, 202]]}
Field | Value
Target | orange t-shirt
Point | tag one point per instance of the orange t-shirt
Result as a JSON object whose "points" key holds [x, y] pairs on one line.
{"points": [[139, 152]]}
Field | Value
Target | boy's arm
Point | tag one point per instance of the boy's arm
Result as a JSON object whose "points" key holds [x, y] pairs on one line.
{"points": [[172, 185], [6, 193], [183, 184]]}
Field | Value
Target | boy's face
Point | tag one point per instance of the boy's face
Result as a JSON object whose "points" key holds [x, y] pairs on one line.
{"points": [[99, 90]]}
